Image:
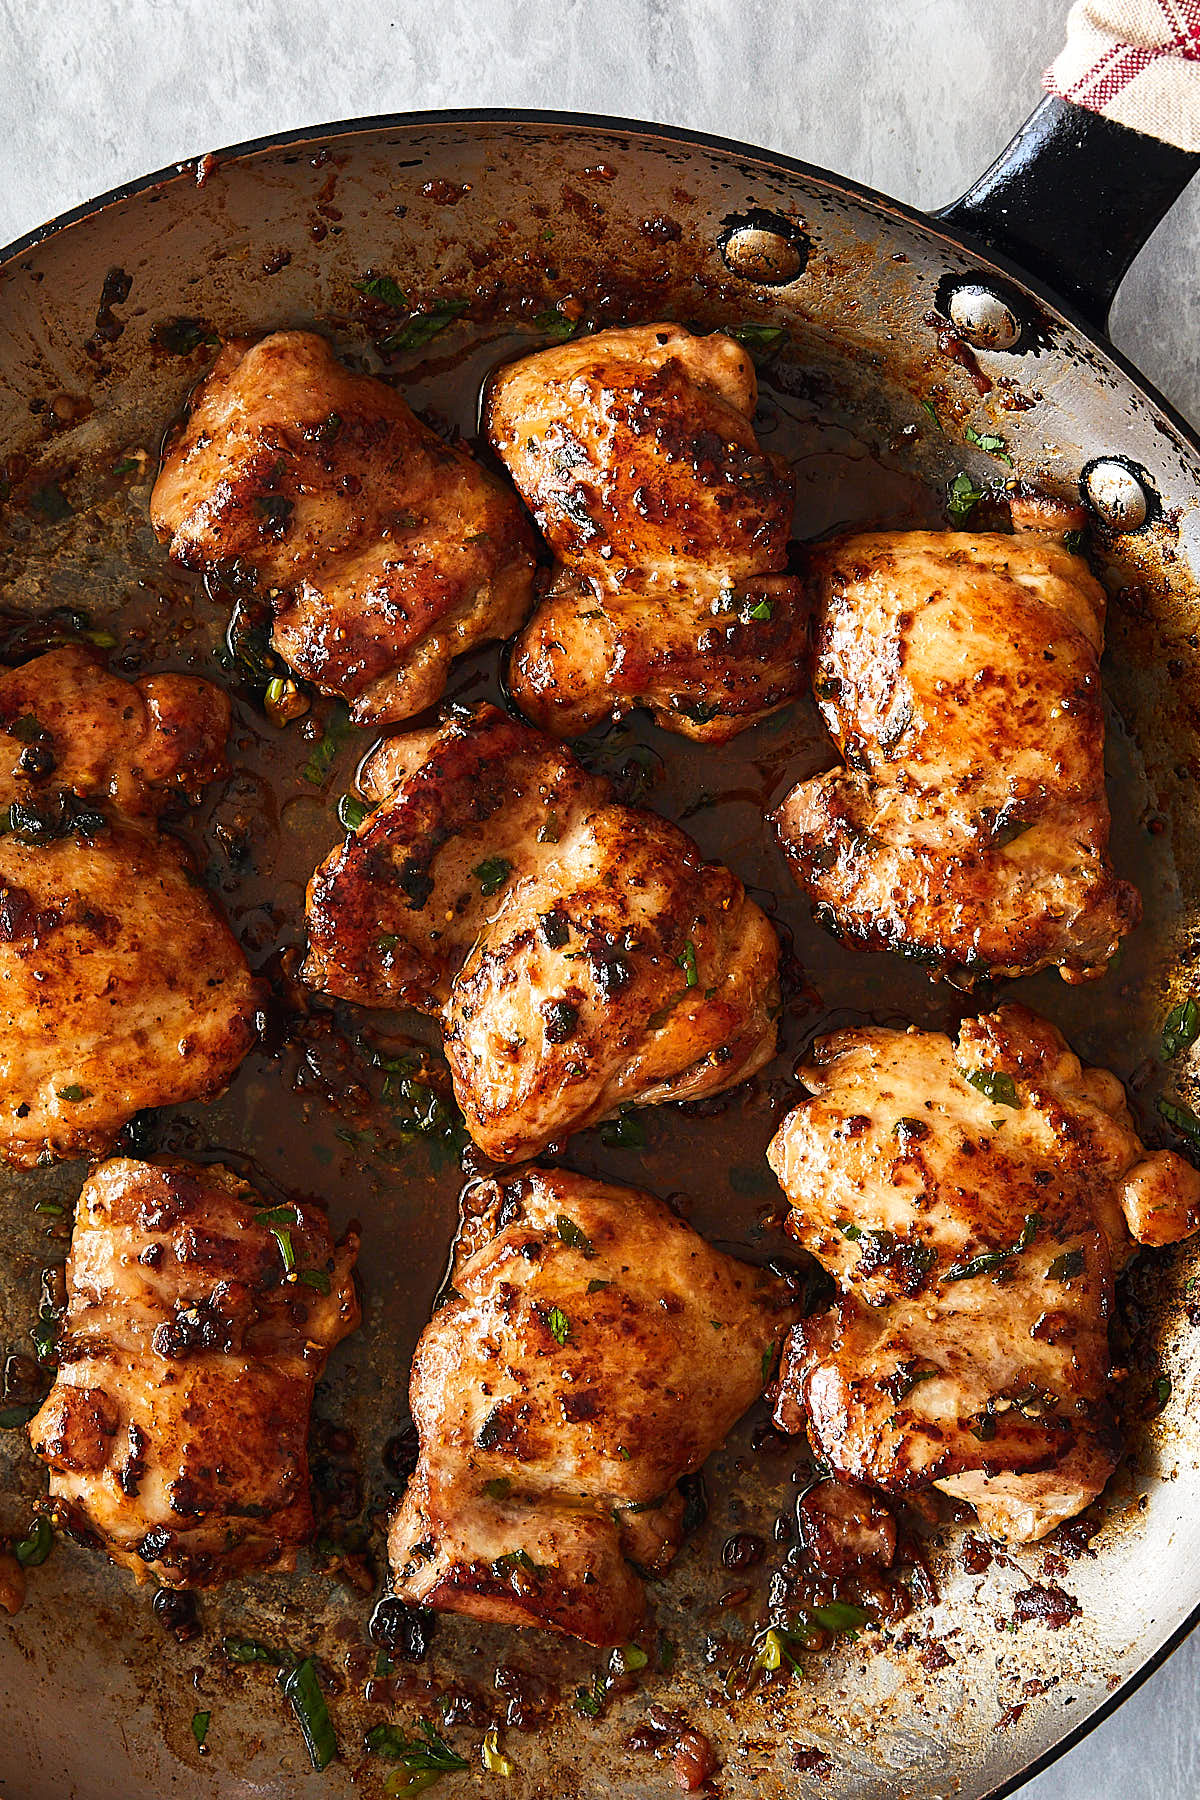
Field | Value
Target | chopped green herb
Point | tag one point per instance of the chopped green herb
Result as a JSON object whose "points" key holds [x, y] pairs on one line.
{"points": [[126, 466], [422, 326], [761, 611], [315, 1278], [996, 1259], [493, 1758], [962, 499], [491, 874], [32, 1551], [499, 1488], [550, 831], [839, 1615], [596, 1286], [626, 1131], [275, 511], [1181, 1117], [755, 336], [590, 1700], [180, 336], [337, 729], [351, 811], [200, 1724], [1073, 541], [558, 1325], [931, 409], [1181, 1028], [848, 1229], [555, 325], [995, 1086], [698, 711], [574, 1237], [987, 440], [1067, 1266], [249, 1650], [773, 1649], [517, 1559], [72, 1091], [687, 962], [383, 288], [628, 1659], [303, 1689], [277, 1215], [1162, 1390]]}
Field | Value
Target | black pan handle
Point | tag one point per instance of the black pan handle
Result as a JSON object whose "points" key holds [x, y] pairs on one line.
{"points": [[1072, 200]]}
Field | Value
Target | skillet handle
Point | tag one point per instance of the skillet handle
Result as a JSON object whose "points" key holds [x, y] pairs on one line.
{"points": [[1072, 200]]}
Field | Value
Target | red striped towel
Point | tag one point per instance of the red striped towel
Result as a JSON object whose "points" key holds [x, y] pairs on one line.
{"points": [[1137, 62]]}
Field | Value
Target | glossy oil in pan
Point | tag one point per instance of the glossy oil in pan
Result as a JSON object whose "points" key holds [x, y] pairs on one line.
{"points": [[512, 213]]}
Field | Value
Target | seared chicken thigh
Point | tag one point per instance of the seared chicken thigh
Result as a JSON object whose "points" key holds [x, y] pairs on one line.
{"points": [[198, 1322], [958, 673], [972, 1201], [579, 953], [593, 1351], [636, 453], [386, 552], [121, 985]]}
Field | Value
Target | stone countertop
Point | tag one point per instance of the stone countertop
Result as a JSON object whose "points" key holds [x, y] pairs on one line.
{"points": [[911, 96]]}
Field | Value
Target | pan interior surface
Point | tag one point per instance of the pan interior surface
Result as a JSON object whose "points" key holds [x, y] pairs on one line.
{"points": [[106, 324]]}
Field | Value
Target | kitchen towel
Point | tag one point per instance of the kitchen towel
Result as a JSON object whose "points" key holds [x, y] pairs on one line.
{"points": [[1137, 62]]}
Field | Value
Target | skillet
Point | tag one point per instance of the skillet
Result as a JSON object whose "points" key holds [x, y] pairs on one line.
{"points": [[993, 313]]}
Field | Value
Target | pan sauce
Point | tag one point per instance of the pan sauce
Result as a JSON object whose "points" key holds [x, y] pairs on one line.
{"points": [[257, 839]]}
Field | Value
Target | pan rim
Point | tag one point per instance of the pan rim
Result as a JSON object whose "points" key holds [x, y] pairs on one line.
{"points": [[379, 123]]}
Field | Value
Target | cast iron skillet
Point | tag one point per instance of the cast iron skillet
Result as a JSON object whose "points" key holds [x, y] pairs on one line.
{"points": [[108, 317]]}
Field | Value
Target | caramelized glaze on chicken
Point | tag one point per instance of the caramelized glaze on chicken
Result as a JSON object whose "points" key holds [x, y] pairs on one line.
{"points": [[386, 551], [959, 675], [177, 1426], [972, 1202], [121, 986], [579, 953], [636, 453], [594, 1350]]}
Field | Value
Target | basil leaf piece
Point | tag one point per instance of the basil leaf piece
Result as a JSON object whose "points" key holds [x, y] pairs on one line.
{"points": [[962, 499], [422, 326], [1181, 1117], [303, 1689], [994, 1085], [1181, 1028]]}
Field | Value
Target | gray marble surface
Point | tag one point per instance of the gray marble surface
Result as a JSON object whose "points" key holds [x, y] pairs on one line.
{"points": [[913, 96]]}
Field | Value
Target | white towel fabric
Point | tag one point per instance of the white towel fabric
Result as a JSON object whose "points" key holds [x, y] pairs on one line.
{"points": [[1137, 62]]}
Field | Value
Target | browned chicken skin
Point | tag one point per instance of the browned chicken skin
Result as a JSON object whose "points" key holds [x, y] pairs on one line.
{"points": [[177, 1427], [594, 1350], [580, 954], [121, 986], [636, 453], [386, 551], [972, 1202], [958, 673]]}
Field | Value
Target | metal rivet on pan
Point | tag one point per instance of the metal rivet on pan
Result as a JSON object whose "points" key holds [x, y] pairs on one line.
{"points": [[984, 318], [1118, 493], [762, 247]]}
